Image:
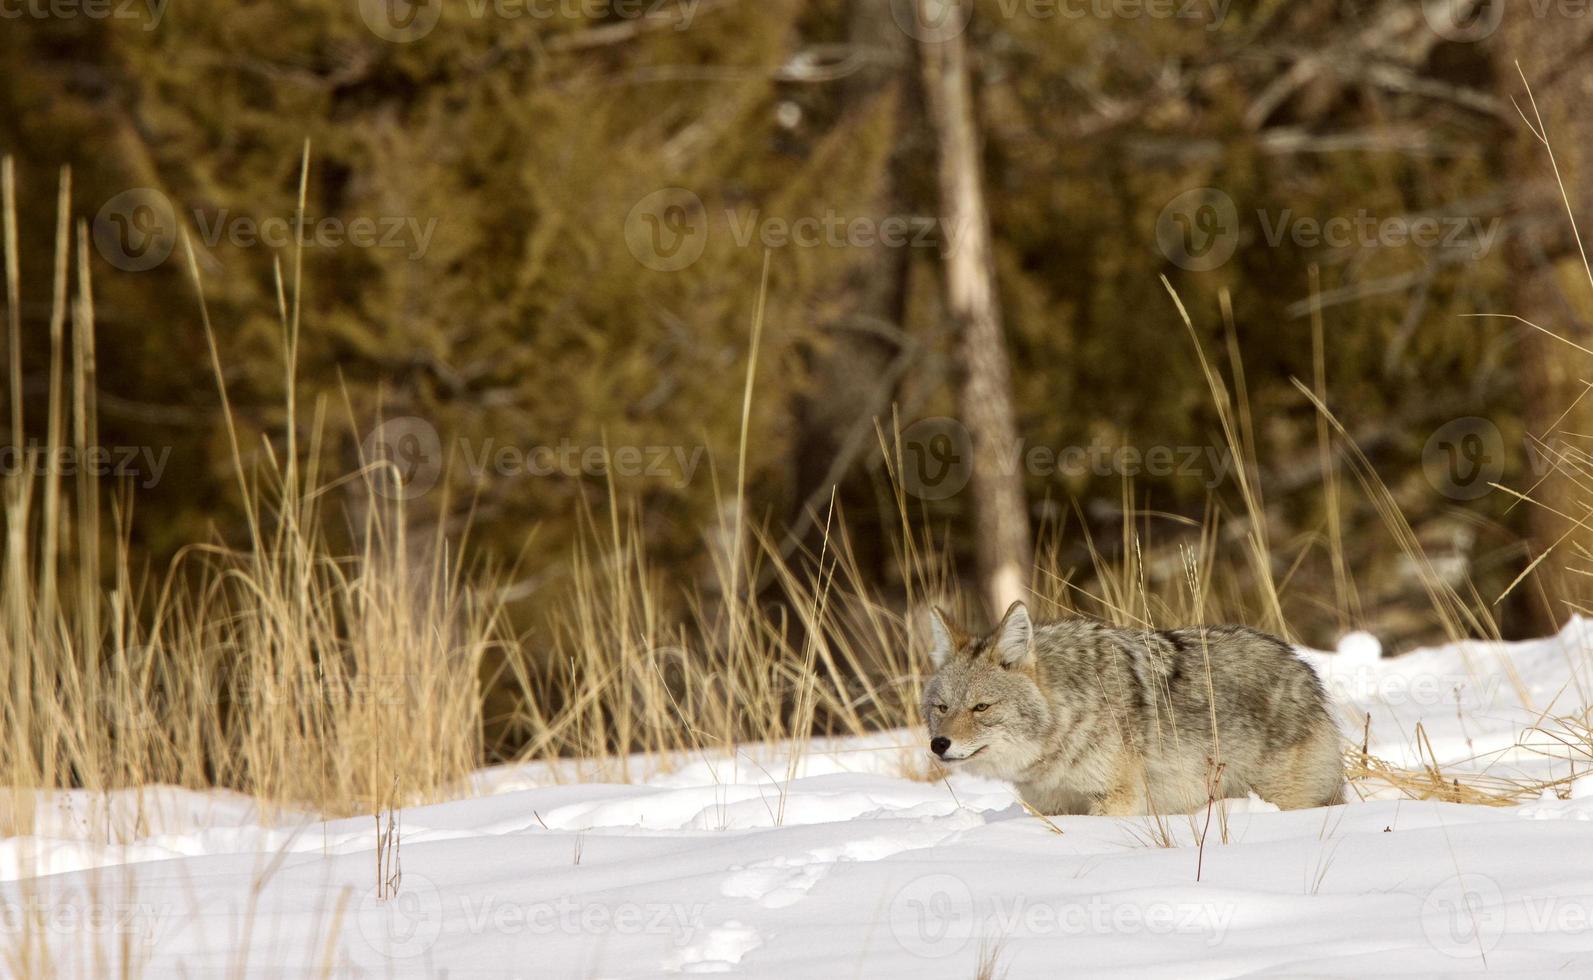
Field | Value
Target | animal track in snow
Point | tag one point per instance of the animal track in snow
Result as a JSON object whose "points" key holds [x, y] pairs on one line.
{"points": [[719, 952], [782, 881]]}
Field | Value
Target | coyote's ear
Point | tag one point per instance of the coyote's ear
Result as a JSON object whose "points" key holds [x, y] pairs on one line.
{"points": [[1014, 638], [943, 637]]}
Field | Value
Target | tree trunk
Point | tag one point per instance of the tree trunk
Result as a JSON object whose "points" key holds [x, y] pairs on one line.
{"points": [[1001, 520], [1552, 287]]}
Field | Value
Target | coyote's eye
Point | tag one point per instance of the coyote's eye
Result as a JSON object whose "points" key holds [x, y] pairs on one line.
{"points": [[940, 708], [981, 707]]}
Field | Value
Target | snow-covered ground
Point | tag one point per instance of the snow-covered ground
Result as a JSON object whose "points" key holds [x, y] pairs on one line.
{"points": [[851, 870]]}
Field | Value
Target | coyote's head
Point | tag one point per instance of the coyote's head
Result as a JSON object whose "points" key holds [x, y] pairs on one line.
{"points": [[984, 705]]}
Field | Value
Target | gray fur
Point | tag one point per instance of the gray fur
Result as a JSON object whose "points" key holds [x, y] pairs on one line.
{"points": [[1086, 717]]}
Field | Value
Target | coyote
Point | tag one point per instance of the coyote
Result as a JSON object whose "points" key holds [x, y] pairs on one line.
{"points": [[1088, 718]]}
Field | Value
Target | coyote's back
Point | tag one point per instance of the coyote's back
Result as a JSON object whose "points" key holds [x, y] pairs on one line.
{"points": [[1086, 717]]}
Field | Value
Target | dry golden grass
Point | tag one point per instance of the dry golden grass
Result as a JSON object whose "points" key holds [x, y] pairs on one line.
{"points": [[280, 668]]}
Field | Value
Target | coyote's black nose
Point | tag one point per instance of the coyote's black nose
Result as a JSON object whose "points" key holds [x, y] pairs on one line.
{"points": [[939, 745]]}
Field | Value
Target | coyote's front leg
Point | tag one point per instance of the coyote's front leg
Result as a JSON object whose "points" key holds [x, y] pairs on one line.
{"points": [[1125, 797]]}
